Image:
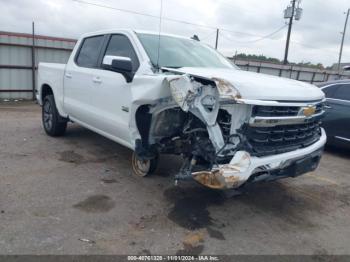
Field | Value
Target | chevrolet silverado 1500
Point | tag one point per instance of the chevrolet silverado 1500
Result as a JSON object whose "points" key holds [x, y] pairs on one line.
{"points": [[164, 94]]}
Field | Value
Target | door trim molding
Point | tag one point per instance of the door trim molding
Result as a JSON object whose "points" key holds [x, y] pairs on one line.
{"points": [[342, 138]]}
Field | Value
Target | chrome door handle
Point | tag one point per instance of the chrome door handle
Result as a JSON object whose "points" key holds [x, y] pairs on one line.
{"points": [[68, 75], [97, 80], [327, 107]]}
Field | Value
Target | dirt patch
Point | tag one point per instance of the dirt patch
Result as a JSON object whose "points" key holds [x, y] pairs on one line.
{"points": [[194, 251], [144, 252], [108, 180], [96, 204], [296, 205], [213, 233], [71, 157], [104, 159], [75, 158], [144, 222]]}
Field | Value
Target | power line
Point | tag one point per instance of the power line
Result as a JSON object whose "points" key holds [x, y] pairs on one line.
{"points": [[142, 14], [269, 35], [239, 33], [266, 36], [198, 25], [164, 18], [207, 36], [292, 41], [261, 38]]}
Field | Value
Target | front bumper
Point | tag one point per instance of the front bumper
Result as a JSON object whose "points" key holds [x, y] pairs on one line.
{"points": [[243, 167]]}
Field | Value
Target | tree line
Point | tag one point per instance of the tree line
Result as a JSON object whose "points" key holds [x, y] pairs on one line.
{"points": [[264, 58]]}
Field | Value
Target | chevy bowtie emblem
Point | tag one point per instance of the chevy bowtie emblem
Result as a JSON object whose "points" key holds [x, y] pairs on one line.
{"points": [[309, 111]]}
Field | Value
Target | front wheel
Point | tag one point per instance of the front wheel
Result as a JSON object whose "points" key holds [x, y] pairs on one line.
{"points": [[54, 124], [143, 167]]}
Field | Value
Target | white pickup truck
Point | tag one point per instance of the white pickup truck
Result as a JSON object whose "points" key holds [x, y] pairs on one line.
{"points": [[164, 94]]}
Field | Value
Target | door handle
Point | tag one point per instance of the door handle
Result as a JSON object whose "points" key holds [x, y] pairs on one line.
{"points": [[327, 107], [97, 80], [68, 75]]}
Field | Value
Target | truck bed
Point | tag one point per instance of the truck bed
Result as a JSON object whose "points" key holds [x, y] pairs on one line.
{"points": [[51, 74]]}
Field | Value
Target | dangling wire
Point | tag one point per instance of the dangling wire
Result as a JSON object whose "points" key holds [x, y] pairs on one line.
{"points": [[160, 29]]}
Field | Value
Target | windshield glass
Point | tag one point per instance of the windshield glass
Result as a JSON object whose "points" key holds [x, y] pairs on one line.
{"points": [[178, 52]]}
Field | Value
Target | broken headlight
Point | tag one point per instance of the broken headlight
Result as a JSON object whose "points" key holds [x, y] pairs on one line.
{"points": [[226, 89]]}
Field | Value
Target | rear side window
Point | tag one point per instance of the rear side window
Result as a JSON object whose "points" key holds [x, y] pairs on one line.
{"points": [[330, 91], [120, 45], [89, 51], [343, 92]]}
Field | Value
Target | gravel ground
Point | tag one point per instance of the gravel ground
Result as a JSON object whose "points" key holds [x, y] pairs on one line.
{"points": [[77, 195]]}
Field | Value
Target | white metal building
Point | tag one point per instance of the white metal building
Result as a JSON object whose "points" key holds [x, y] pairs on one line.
{"points": [[16, 63]]}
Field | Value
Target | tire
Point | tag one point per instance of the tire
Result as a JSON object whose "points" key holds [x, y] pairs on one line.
{"points": [[53, 123], [143, 168]]}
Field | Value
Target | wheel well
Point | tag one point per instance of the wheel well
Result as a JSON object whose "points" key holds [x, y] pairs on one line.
{"points": [[45, 91], [143, 123]]}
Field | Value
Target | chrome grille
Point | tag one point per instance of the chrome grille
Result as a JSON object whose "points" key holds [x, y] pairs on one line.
{"points": [[280, 139], [264, 139], [275, 111]]}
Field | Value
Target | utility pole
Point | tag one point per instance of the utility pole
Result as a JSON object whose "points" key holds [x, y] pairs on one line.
{"points": [[291, 12], [342, 41], [285, 61], [217, 38], [33, 60]]}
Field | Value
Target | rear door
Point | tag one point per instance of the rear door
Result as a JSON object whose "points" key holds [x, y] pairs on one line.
{"points": [[341, 107], [78, 79], [330, 116], [111, 93], [337, 120]]}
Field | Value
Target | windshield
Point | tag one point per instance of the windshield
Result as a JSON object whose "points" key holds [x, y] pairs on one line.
{"points": [[178, 52]]}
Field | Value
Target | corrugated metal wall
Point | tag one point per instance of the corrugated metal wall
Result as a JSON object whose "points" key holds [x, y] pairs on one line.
{"points": [[16, 60], [305, 74]]}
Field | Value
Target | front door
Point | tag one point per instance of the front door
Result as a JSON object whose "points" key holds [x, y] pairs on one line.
{"points": [[111, 94]]}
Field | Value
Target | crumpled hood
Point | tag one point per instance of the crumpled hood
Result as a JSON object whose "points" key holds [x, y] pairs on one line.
{"points": [[260, 86]]}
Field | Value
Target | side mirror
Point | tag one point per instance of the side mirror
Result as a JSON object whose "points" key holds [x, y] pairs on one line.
{"points": [[119, 64]]}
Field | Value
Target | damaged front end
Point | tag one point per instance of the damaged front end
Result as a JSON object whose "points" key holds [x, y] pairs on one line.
{"points": [[196, 123], [224, 141], [212, 102]]}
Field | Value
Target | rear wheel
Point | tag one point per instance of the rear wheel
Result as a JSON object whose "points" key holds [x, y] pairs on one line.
{"points": [[54, 124], [143, 167]]}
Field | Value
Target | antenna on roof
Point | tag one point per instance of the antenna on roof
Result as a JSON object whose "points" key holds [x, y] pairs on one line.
{"points": [[195, 37], [160, 29]]}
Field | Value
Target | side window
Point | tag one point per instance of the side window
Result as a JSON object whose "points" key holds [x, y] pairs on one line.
{"points": [[89, 51], [120, 45], [329, 91], [343, 92]]}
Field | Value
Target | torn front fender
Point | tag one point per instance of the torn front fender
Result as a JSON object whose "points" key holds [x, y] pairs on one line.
{"points": [[200, 99]]}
